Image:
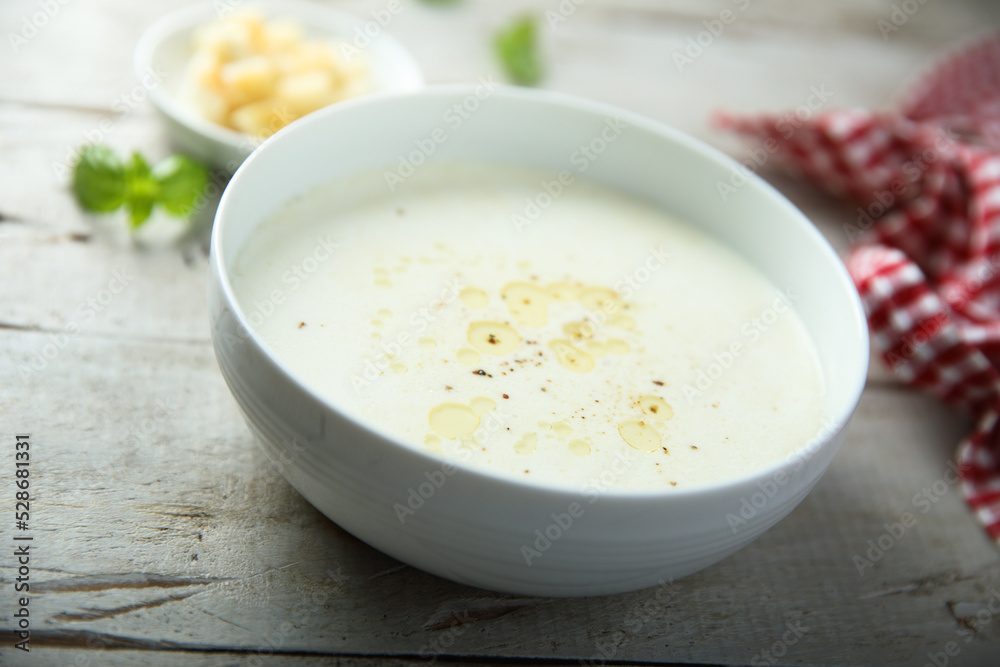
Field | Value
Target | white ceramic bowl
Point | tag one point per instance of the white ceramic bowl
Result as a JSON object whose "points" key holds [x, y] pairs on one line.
{"points": [[165, 48], [473, 527]]}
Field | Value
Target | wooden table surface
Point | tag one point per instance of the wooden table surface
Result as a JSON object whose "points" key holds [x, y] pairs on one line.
{"points": [[161, 536]]}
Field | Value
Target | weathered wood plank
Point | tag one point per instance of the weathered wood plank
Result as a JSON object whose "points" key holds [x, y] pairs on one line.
{"points": [[128, 658]]}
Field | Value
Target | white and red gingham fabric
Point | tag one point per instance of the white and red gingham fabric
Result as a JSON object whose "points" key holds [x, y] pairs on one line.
{"points": [[926, 236]]}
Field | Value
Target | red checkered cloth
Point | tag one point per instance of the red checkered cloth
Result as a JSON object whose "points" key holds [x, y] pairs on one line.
{"points": [[926, 236]]}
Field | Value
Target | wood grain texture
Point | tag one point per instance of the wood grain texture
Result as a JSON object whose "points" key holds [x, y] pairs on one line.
{"points": [[165, 537]]}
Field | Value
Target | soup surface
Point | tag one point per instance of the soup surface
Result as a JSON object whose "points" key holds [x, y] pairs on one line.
{"points": [[556, 332]]}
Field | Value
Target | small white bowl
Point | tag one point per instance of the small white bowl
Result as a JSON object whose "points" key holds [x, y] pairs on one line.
{"points": [[472, 529], [166, 46]]}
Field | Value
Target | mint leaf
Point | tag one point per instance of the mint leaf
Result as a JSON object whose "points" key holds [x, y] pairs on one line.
{"points": [[99, 179], [141, 190], [103, 183], [180, 182], [517, 48], [139, 211]]}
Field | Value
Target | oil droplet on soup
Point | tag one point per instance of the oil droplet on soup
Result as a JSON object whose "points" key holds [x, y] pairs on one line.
{"points": [[601, 299], [494, 338], [526, 445], [656, 407], [570, 357], [481, 405], [578, 331], [579, 447], [561, 429], [640, 435], [562, 291], [528, 304], [473, 297], [453, 420]]}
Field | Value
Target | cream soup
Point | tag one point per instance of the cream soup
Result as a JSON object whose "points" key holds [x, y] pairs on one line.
{"points": [[561, 333]]}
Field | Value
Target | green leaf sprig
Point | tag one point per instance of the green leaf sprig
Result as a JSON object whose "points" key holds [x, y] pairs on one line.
{"points": [[102, 182], [517, 47]]}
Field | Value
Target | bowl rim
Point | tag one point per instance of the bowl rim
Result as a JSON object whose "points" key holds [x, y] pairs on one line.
{"points": [[826, 437], [189, 17]]}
